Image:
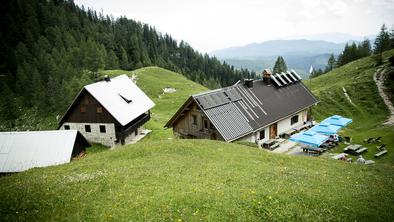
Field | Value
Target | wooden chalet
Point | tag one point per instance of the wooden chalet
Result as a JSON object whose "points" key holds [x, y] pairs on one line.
{"points": [[110, 112], [251, 110]]}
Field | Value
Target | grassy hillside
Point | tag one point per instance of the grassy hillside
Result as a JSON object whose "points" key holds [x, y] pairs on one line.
{"points": [[152, 80], [193, 180], [369, 111]]}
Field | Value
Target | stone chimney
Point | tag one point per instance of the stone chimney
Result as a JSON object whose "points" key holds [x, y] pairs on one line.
{"points": [[267, 76], [249, 83]]}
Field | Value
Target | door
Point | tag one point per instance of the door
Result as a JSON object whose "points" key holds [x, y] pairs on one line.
{"points": [[273, 130]]}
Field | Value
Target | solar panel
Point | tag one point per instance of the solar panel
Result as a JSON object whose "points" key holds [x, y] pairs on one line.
{"points": [[213, 100], [277, 83], [288, 74], [232, 94], [283, 75], [281, 80], [296, 75]]}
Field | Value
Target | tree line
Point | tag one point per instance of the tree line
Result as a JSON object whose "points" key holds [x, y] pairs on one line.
{"points": [[352, 51], [51, 48]]}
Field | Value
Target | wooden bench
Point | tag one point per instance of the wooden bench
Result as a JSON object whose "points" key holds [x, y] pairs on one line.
{"points": [[381, 153], [276, 145], [361, 150]]}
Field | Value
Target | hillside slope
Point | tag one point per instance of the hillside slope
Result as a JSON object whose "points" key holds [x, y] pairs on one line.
{"points": [[193, 180], [176, 180], [152, 80], [368, 110]]}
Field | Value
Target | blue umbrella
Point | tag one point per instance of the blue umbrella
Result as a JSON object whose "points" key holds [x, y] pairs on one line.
{"points": [[337, 120], [325, 128], [309, 138]]}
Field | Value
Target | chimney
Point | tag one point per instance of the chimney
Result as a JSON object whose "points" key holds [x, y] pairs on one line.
{"points": [[106, 78], [267, 76], [249, 83]]}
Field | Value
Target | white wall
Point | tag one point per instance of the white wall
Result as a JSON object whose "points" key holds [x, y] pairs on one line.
{"points": [[108, 138], [285, 124], [254, 137], [266, 136]]}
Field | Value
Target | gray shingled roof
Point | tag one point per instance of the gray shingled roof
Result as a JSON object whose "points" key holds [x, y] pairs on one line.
{"points": [[237, 110]]}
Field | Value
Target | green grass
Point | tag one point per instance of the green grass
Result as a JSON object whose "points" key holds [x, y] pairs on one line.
{"points": [[368, 114], [152, 80], [193, 180], [159, 179]]}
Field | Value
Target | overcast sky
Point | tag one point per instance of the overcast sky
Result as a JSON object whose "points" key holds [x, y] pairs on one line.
{"points": [[214, 24]]}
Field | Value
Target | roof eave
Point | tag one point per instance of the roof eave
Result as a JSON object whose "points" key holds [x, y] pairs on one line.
{"points": [[178, 112]]}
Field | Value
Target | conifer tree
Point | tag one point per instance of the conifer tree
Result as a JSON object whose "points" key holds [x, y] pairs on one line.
{"points": [[330, 63], [280, 65], [382, 41]]}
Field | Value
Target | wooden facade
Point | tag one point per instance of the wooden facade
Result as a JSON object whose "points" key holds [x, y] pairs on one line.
{"points": [[192, 123], [86, 109]]}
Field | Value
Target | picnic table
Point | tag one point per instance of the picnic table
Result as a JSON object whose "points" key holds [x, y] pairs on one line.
{"points": [[381, 153], [355, 149], [305, 126], [287, 134], [268, 143]]}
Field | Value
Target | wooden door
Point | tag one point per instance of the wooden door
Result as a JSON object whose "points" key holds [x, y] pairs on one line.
{"points": [[273, 130]]}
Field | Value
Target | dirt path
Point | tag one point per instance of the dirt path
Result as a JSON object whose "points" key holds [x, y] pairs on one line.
{"points": [[378, 77], [347, 96]]}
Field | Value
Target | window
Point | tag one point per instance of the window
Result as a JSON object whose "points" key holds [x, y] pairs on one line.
{"points": [[206, 124], [66, 127], [294, 119], [83, 109], [135, 132], [102, 129], [99, 109], [262, 134], [87, 129], [194, 119]]}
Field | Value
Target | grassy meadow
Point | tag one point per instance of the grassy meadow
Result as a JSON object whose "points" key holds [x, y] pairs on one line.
{"points": [[152, 80], [369, 111], [162, 179], [198, 180]]}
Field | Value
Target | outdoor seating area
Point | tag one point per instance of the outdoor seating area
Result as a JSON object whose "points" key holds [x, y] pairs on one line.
{"points": [[321, 137], [287, 134], [355, 149], [373, 140], [382, 150], [272, 144]]}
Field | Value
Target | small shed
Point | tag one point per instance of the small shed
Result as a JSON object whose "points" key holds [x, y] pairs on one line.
{"points": [[20, 151]]}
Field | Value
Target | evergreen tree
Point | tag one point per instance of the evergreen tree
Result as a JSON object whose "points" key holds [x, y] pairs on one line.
{"points": [[280, 65], [392, 38], [8, 104], [48, 47], [364, 48], [112, 62], [382, 41], [330, 63]]}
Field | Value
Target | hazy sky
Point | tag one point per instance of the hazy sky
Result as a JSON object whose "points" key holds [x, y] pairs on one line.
{"points": [[214, 24]]}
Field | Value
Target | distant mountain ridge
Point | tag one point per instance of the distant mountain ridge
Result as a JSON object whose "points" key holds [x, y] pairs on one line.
{"points": [[335, 37], [300, 52], [301, 47]]}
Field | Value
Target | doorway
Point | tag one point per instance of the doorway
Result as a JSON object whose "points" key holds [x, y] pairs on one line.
{"points": [[273, 130]]}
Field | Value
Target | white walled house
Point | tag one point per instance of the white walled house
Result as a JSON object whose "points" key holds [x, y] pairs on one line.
{"points": [[252, 111], [109, 112]]}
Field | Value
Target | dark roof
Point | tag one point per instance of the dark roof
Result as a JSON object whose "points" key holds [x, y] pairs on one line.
{"points": [[237, 110]]}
